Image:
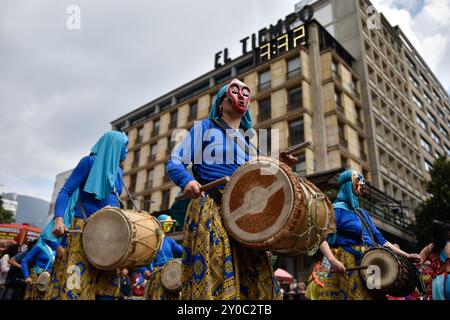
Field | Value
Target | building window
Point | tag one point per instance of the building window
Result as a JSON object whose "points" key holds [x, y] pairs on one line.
{"points": [[165, 200], [294, 98], [425, 145], [193, 111], [443, 131], [359, 121], [264, 80], [300, 166], [413, 81], [153, 150], [428, 166], [170, 146], [137, 155], [341, 132], [155, 130], [421, 123], [264, 110], [344, 162], [417, 102], [173, 120], [431, 117], [447, 150], [435, 137], [354, 87], [335, 70], [150, 177], [132, 183], [427, 98], [296, 132], [362, 150], [140, 135], [293, 68], [146, 203]]}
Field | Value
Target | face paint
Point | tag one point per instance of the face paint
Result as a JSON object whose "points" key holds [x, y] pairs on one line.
{"points": [[167, 226], [239, 94], [359, 184]]}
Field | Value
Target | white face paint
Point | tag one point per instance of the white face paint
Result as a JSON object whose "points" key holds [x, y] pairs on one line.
{"points": [[359, 184]]}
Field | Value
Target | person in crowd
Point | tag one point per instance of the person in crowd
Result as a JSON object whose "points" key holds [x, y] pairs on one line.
{"points": [[125, 285], [139, 284], [4, 266]]}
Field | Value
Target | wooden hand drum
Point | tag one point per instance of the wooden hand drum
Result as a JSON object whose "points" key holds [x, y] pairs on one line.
{"points": [[265, 206]]}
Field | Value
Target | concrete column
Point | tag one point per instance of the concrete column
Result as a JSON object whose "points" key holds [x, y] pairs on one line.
{"points": [[318, 120]]}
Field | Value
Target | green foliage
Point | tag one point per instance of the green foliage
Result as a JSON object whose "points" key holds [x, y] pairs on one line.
{"points": [[437, 206], [6, 216]]}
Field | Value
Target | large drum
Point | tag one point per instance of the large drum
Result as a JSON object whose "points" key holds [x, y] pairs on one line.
{"points": [[265, 206], [398, 275], [115, 238], [42, 281], [171, 275]]}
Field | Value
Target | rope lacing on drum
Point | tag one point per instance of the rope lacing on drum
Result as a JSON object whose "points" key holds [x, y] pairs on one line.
{"points": [[311, 250]]}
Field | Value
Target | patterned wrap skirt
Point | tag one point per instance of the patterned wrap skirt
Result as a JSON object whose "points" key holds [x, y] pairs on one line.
{"points": [[349, 285], [155, 289], [31, 292], [217, 268], [74, 278]]}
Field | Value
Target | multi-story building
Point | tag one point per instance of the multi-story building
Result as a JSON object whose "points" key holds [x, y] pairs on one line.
{"points": [[9, 200], [335, 81], [60, 179]]}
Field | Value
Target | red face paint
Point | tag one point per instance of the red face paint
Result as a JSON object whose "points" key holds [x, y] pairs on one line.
{"points": [[239, 94]]}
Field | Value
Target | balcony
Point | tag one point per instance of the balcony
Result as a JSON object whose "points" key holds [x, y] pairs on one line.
{"points": [[343, 142], [166, 179], [152, 158], [172, 125], [138, 140], [294, 106], [360, 124], [154, 133], [340, 108], [264, 86], [149, 185], [337, 76], [293, 73], [134, 164], [263, 117], [292, 141], [192, 117]]}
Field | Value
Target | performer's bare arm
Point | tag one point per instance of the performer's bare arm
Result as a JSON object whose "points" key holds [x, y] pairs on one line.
{"points": [[413, 257], [335, 263], [192, 190]]}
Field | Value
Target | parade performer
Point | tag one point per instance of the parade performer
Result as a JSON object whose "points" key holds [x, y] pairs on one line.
{"points": [[214, 266], [436, 255], [98, 179], [170, 250], [355, 233], [41, 257]]}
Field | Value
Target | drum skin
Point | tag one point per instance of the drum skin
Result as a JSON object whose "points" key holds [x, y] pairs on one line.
{"points": [[116, 238], [397, 273], [42, 281], [265, 206], [171, 275]]}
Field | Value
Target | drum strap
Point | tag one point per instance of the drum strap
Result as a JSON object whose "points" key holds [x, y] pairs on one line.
{"points": [[128, 193], [365, 225], [82, 209]]}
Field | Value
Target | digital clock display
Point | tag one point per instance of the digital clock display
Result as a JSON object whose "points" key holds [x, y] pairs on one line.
{"points": [[288, 41]]}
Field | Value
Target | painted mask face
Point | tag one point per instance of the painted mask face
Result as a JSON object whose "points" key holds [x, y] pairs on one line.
{"points": [[239, 94], [359, 184], [167, 226]]}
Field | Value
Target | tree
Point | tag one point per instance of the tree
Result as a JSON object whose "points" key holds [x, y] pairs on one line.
{"points": [[437, 206], [6, 216]]}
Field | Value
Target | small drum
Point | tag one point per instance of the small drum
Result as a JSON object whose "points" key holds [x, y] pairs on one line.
{"points": [[115, 238], [265, 206], [171, 275], [42, 282], [398, 276]]}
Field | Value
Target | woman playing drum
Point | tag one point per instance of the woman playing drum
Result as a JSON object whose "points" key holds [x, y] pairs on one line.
{"points": [[97, 178], [214, 266], [353, 236]]}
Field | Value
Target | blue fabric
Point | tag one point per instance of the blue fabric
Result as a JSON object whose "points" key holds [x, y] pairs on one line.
{"points": [[345, 192], [108, 151], [441, 287], [193, 150], [349, 222], [246, 121], [47, 233], [443, 256], [169, 250], [164, 217], [39, 258], [77, 181]]}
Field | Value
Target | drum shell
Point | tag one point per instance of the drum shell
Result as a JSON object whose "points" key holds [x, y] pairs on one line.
{"points": [[165, 270], [43, 281], [144, 242], [286, 241]]}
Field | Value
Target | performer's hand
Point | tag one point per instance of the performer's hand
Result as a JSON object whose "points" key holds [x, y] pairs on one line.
{"points": [[414, 257], [28, 280], [60, 251], [337, 266], [59, 228], [192, 189], [288, 159]]}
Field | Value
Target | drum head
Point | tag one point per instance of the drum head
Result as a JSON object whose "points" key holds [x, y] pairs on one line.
{"points": [[171, 275], [257, 201], [106, 237], [386, 261], [42, 281]]}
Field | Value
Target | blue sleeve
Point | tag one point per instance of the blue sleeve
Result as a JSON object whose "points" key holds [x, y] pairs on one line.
{"points": [[177, 250], [377, 234], [28, 258], [79, 174], [52, 244]]}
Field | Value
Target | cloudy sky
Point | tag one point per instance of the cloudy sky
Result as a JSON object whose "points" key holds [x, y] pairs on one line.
{"points": [[60, 88]]}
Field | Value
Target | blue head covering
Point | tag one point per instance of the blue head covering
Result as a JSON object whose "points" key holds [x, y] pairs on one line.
{"points": [[346, 199], [246, 121], [109, 151]]}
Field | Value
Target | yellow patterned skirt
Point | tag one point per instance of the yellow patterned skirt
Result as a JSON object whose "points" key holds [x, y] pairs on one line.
{"points": [[349, 285], [74, 278], [156, 291], [31, 292], [217, 268]]}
